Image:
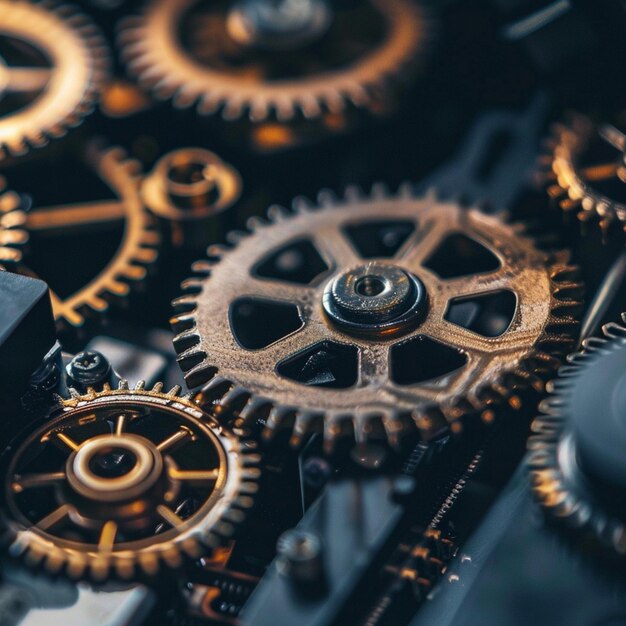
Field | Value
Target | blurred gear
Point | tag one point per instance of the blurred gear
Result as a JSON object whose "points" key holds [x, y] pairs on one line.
{"points": [[122, 482], [52, 67], [586, 170], [576, 462], [374, 314], [137, 248], [265, 58], [188, 189]]}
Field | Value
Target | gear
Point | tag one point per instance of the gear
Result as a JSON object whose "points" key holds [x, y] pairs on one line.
{"points": [[586, 170], [232, 56], [136, 251], [377, 312], [53, 67], [576, 456], [121, 482]]}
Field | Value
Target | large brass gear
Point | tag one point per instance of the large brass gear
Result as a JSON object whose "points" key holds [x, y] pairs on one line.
{"points": [[137, 249], [585, 169], [391, 389], [236, 82], [58, 92], [555, 464], [120, 483]]}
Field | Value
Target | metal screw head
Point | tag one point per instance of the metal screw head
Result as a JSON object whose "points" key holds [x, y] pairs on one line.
{"points": [[316, 472], [300, 553], [88, 368]]}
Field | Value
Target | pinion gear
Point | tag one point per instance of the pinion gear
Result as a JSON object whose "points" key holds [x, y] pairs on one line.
{"points": [[365, 48], [453, 312], [55, 62], [137, 250], [558, 473], [120, 483]]}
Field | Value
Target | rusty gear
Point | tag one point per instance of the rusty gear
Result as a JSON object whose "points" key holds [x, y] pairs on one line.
{"points": [[356, 322], [558, 475], [120, 483], [585, 169], [46, 100], [136, 252], [310, 80]]}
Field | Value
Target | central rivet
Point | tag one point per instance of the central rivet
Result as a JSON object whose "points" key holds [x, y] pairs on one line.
{"points": [[375, 299]]}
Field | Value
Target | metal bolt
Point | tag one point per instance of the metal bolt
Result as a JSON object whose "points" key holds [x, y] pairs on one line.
{"points": [[88, 369], [316, 472], [300, 556]]}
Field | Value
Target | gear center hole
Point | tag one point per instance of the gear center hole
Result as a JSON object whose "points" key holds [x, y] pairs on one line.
{"points": [[369, 286], [112, 462]]}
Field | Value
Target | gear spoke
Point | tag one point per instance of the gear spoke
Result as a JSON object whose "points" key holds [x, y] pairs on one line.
{"points": [[613, 136], [475, 284], [603, 171], [197, 476], [53, 519], [27, 79], [30, 481], [333, 243], [422, 243], [169, 516], [108, 533], [76, 217], [182, 435], [68, 441], [278, 290], [120, 424]]}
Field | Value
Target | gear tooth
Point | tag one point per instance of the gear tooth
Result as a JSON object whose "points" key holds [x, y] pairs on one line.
{"points": [[276, 419], [158, 387], [214, 390], [353, 193], [191, 286], [198, 374], [235, 236], [301, 204], [254, 409], [256, 223], [406, 190], [306, 422], [327, 198], [217, 250], [186, 340], [380, 191], [123, 384], [234, 398], [141, 385], [185, 304], [190, 358], [183, 322], [277, 213]]}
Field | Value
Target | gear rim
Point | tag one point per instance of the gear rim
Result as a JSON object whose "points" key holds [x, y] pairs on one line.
{"points": [[556, 481], [145, 39], [208, 527], [71, 41], [137, 251], [234, 397]]}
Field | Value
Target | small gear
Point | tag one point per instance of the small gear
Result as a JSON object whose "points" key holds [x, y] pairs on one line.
{"points": [[585, 169], [374, 315], [576, 456], [266, 58], [137, 248], [53, 65], [120, 483]]}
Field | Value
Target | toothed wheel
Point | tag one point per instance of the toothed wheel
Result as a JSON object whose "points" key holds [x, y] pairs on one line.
{"points": [[136, 247], [585, 169], [53, 64], [121, 483], [576, 457], [266, 58], [374, 315]]}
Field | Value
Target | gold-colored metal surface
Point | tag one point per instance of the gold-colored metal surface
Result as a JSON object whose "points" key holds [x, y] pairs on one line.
{"points": [[57, 96], [247, 383], [124, 482], [221, 75], [574, 183], [136, 251]]}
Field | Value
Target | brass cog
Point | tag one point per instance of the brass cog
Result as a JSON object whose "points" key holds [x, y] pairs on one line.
{"points": [[561, 484], [585, 169], [54, 92], [137, 249], [397, 355], [224, 75], [120, 483]]}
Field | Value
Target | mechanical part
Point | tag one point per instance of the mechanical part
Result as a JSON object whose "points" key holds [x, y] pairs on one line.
{"points": [[494, 313], [88, 369], [576, 459], [26, 331], [136, 251], [586, 170], [188, 189], [121, 482], [230, 56], [350, 553], [300, 556], [53, 66]]}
